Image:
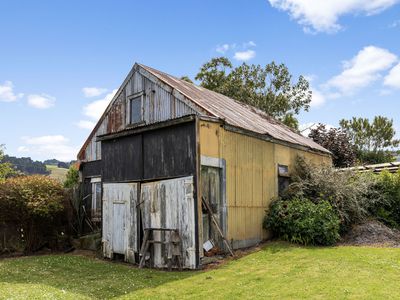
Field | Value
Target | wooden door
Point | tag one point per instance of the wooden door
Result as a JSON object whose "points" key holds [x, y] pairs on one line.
{"points": [[211, 191], [119, 220]]}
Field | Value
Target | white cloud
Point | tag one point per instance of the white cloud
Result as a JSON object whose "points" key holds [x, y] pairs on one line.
{"points": [[95, 109], [42, 101], [249, 44], [223, 48], [23, 149], [395, 24], [7, 92], [393, 78], [318, 98], [244, 55], [84, 124], [363, 69], [93, 91], [323, 15], [49, 146]]}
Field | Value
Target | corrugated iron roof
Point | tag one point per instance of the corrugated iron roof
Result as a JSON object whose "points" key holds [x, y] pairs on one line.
{"points": [[235, 113]]}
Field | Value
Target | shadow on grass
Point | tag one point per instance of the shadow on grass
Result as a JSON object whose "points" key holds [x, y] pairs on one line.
{"points": [[85, 276]]}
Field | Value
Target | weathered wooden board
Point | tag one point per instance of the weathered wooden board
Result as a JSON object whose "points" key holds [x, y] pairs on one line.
{"points": [[119, 234], [162, 153], [159, 104], [170, 204]]}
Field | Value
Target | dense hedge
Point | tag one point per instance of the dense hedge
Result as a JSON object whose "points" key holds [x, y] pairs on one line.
{"points": [[302, 221], [34, 206]]}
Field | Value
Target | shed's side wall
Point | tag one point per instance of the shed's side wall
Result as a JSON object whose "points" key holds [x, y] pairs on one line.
{"points": [[251, 177]]}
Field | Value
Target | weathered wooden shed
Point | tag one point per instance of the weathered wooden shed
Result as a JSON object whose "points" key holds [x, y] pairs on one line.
{"points": [[162, 145]]}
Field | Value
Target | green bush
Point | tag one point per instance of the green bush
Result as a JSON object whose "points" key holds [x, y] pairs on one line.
{"points": [[352, 195], [33, 205], [389, 187], [304, 222]]}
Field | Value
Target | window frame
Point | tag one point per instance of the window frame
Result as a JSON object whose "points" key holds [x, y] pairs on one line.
{"points": [[96, 211], [283, 175], [130, 100]]}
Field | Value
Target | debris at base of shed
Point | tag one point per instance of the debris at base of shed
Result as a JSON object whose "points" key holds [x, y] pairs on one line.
{"points": [[372, 233]]}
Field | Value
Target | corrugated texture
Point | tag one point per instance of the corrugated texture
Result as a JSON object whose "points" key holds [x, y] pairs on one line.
{"points": [[235, 112], [251, 177], [159, 105]]}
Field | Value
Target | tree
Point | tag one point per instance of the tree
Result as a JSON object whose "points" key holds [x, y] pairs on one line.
{"points": [[372, 139], [268, 88], [6, 169], [186, 78], [338, 142], [72, 179]]}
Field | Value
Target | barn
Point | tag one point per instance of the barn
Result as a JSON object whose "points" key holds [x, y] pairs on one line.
{"points": [[171, 165]]}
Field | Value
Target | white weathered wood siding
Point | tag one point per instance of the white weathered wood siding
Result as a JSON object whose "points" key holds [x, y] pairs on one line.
{"points": [[119, 234], [170, 204], [160, 103]]}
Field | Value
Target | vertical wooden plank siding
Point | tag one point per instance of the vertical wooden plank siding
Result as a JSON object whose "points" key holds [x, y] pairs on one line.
{"points": [[159, 105], [119, 226], [170, 204], [251, 177]]}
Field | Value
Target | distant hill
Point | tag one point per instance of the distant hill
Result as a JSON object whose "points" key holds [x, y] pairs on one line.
{"points": [[26, 165], [60, 164], [57, 173]]}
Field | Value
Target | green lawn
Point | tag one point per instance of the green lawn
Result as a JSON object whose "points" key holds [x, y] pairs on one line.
{"points": [[278, 271], [57, 173]]}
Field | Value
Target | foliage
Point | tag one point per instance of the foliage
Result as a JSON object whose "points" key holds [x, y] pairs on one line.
{"points": [[268, 88], [6, 169], [336, 141], [26, 165], [353, 196], [34, 204], [372, 138], [72, 179], [302, 221], [187, 79], [389, 187]]}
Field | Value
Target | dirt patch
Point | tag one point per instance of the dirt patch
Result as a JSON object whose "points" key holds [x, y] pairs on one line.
{"points": [[372, 233]]}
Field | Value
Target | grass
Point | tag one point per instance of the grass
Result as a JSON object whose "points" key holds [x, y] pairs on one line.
{"points": [[57, 173], [278, 271]]}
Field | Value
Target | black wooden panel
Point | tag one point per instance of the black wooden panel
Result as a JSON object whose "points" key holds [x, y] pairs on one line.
{"points": [[122, 159], [92, 168], [170, 151], [160, 153]]}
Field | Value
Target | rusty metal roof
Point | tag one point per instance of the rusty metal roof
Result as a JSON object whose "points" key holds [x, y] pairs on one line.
{"points": [[235, 113]]}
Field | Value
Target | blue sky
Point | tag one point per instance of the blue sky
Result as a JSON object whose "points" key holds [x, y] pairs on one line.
{"points": [[50, 51]]}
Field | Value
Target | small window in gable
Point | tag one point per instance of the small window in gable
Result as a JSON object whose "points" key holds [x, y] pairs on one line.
{"points": [[136, 110]]}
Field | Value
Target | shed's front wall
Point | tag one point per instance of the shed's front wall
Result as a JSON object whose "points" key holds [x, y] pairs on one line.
{"points": [[251, 171]]}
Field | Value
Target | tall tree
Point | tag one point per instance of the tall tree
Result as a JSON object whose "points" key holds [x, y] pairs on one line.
{"points": [[270, 88], [337, 141], [373, 139], [6, 169]]}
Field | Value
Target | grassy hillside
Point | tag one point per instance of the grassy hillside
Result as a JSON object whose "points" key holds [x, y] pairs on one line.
{"points": [[278, 271], [57, 173]]}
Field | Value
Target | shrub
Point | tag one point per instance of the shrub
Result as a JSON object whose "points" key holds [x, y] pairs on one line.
{"points": [[34, 205], [72, 178], [389, 187], [353, 196], [302, 221]]}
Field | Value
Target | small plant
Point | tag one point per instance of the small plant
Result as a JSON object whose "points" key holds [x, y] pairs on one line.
{"points": [[304, 222]]}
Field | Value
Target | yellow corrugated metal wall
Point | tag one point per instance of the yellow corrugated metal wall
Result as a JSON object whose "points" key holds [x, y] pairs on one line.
{"points": [[251, 175]]}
